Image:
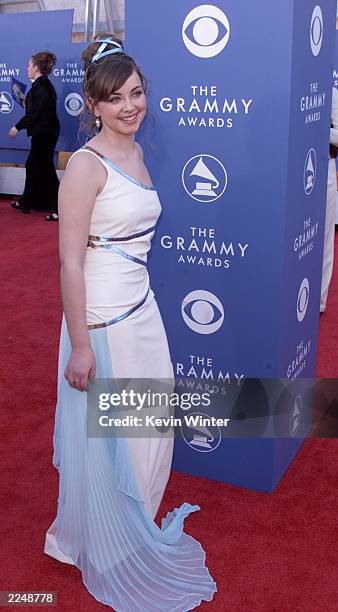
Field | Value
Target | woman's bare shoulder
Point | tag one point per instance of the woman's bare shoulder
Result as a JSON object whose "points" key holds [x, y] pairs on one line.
{"points": [[85, 165], [83, 158]]}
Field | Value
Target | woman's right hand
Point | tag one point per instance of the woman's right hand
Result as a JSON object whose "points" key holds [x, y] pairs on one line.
{"points": [[13, 132], [81, 368]]}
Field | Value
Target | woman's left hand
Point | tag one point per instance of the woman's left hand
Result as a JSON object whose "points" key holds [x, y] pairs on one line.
{"points": [[12, 132]]}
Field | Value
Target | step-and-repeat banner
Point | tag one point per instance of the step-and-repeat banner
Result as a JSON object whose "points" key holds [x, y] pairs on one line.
{"points": [[335, 80], [241, 94], [49, 30]]}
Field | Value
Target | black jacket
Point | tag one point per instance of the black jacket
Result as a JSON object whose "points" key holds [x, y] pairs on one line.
{"points": [[40, 106]]}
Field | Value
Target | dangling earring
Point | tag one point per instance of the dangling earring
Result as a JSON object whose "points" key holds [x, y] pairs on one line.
{"points": [[98, 123]]}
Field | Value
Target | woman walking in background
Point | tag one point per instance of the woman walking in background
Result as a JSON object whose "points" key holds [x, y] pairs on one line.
{"points": [[42, 124], [111, 487]]}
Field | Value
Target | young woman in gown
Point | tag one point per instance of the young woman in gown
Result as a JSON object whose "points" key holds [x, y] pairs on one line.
{"points": [[110, 489]]}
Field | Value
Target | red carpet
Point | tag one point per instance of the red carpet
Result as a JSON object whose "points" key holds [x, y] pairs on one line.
{"points": [[267, 553]]}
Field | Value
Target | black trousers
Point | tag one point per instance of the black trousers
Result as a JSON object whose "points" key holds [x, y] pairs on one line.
{"points": [[42, 183]]}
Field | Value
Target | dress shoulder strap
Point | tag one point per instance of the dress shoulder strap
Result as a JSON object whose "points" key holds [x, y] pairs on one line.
{"points": [[92, 150]]}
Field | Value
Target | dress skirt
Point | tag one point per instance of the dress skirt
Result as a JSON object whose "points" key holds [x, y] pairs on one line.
{"points": [[110, 490]]}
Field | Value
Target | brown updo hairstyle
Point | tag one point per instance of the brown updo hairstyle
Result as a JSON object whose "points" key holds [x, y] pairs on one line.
{"points": [[105, 76], [44, 61]]}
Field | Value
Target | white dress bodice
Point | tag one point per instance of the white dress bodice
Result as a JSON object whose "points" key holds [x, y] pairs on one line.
{"points": [[123, 210]]}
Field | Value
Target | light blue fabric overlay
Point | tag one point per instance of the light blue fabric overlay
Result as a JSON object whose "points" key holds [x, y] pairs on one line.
{"points": [[126, 560]]}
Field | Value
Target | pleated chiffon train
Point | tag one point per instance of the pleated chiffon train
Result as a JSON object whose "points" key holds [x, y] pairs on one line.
{"points": [[102, 526]]}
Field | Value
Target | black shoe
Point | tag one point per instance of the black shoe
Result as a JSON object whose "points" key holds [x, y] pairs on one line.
{"points": [[52, 217], [16, 205]]}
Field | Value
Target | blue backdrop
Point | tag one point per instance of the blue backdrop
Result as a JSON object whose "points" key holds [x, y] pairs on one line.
{"points": [[47, 30], [335, 74], [241, 93], [335, 70]]}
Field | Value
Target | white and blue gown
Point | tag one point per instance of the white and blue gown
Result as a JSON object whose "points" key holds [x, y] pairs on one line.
{"points": [[111, 488]]}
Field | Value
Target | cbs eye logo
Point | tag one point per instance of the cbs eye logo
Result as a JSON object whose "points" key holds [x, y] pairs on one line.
{"points": [[316, 30], [206, 31], [303, 299], [74, 104], [202, 311]]}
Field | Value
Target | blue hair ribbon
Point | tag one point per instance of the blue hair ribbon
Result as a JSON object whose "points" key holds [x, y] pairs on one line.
{"points": [[101, 50]]}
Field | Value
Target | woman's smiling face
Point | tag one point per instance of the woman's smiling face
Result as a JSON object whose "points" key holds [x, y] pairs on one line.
{"points": [[126, 109]]}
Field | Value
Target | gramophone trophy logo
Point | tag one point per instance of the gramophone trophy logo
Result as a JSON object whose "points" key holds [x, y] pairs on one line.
{"points": [[310, 168], [212, 177], [199, 438], [6, 102], [295, 415]]}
